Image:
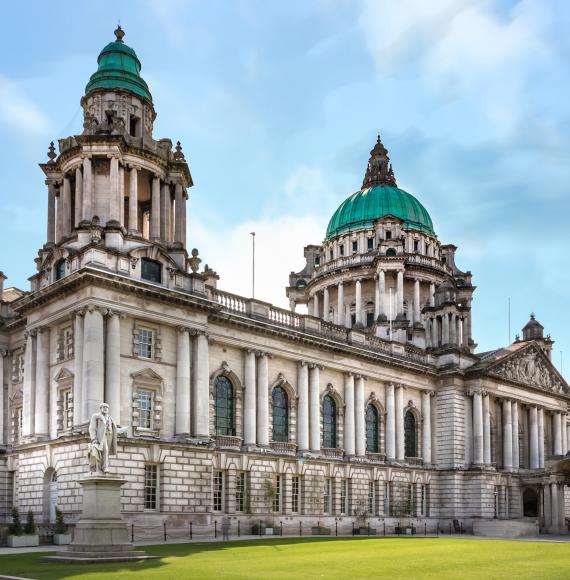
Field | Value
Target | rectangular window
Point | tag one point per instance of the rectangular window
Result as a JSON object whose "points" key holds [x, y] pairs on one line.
{"points": [[277, 498], [416, 246], [144, 400], [387, 498], [331, 255], [371, 510], [65, 344], [344, 497], [146, 343], [424, 505], [218, 491], [411, 503], [241, 491], [388, 235], [355, 246], [327, 496], [370, 243], [67, 408], [151, 487], [341, 249], [295, 494], [151, 270]]}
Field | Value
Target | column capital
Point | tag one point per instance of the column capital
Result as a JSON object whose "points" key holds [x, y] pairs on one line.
{"points": [[302, 363], [109, 312], [32, 332], [360, 376], [94, 307], [349, 374], [183, 329], [316, 366]]}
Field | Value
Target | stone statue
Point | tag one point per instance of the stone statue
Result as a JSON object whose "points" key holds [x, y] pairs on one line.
{"points": [[103, 432]]}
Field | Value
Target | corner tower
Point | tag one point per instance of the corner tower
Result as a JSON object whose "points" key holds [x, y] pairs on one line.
{"points": [[115, 187]]}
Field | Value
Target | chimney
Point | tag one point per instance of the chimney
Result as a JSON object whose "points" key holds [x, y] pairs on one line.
{"points": [[2, 278]]}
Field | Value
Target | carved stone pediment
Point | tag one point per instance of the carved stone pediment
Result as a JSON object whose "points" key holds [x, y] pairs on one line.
{"points": [[530, 367]]}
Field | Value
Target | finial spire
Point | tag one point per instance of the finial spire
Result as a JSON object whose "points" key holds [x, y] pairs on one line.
{"points": [[379, 170], [51, 153], [119, 33]]}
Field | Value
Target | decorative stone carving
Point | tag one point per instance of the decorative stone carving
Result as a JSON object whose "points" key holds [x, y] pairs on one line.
{"points": [[529, 368], [194, 261]]}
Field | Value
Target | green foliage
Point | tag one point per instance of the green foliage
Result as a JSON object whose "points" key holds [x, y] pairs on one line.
{"points": [[30, 527], [60, 526], [15, 528]]}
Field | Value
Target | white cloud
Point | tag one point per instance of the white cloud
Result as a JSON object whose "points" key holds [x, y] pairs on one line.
{"points": [[18, 112], [279, 244]]}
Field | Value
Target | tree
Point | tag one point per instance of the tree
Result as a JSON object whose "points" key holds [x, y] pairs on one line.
{"points": [[15, 528], [270, 492], [30, 527], [60, 526]]}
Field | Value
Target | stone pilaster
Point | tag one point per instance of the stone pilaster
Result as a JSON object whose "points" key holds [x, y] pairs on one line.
{"points": [[250, 398], [399, 414], [155, 209], [359, 417], [113, 364], [183, 409], [29, 384], [78, 392], [201, 382], [390, 423], [314, 408], [349, 414], [303, 406], [93, 360], [42, 406], [262, 400]]}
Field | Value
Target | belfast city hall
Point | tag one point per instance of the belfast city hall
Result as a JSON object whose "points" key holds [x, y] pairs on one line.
{"points": [[373, 403]]}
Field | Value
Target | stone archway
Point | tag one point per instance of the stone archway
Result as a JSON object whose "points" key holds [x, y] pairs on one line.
{"points": [[530, 502]]}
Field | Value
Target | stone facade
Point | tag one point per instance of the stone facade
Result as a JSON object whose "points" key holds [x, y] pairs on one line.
{"points": [[348, 416]]}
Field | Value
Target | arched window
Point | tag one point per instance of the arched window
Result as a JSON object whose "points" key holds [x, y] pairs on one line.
{"points": [[411, 446], [390, 252], [280, 415], [329, 422], [224, 407], [372, 429]]}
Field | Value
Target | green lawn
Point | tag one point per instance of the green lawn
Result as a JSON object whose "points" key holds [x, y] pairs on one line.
{"points": [[321, 558]]}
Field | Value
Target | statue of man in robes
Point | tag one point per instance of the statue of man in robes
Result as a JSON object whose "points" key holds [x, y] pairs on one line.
{"points": [[103, 432]]}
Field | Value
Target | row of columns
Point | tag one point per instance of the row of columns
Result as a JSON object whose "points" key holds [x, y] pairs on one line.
{"points": [[256, 399], [554, 507], [167, 220], [448, 328]]}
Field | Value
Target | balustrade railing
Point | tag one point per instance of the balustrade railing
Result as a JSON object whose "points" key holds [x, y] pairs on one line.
{"points": [[284, 448], [231, 302], [332, 452], [284, 317], [345, 262], [227, 442]]}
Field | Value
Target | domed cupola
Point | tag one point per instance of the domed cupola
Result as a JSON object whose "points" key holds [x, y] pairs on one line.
{"points": [[379, 197], [119, 68]]}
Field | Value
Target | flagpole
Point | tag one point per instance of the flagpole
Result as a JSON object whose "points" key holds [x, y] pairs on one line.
{"points": [[252, 264]]}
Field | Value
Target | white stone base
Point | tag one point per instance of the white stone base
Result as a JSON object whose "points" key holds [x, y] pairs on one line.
{"points": [[505, 528]]}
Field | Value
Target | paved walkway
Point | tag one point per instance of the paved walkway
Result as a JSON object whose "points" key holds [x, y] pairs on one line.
{"points": [[50, 548]]}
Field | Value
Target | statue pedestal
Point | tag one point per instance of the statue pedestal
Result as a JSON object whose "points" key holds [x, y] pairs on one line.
{"points": [[101, 535]]}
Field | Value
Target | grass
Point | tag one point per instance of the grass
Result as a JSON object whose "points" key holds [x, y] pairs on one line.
{"points": [[320, 558]]}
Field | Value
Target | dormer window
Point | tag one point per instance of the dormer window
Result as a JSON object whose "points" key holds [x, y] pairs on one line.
{"points": [[59, 269], [341, 249], [134, 126], [151, 270], [370, 243], [331, 255], [416, 245], [388, 235], [355, 246]]}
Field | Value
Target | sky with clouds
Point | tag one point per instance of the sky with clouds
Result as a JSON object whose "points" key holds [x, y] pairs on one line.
{"points": [[277, 105]]}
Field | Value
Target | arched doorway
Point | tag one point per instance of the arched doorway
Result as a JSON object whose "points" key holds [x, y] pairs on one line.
{"points": [[50, 494], [530, 502]]}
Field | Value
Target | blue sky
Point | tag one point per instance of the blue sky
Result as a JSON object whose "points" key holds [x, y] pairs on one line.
{"points": [[277, 105]]}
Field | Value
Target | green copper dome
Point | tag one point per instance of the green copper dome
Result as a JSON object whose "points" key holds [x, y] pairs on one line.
{"points": [[379, 197], [119, 68], [364, 207]]}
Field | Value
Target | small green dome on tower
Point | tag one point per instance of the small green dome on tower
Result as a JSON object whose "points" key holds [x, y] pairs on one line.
{"points": [[119, 68], [379, 197]]}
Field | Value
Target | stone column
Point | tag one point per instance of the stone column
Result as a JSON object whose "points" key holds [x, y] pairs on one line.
{"points": [[349, 416], [303, 406], [400, 448], [250, 397], [262, 400], [564, 434], [445, 329], [314, 408], [507, 436], [29, 384], [3, 440], [165, 212], [59, 217], [417, 319], [464, 333], [557, 428], [326, 305], [122, 195], [178, 223], [113, 365], [426, 427], [87, 190], [541, 438], [534, 454], [359, 322], [382, 290], [516, 450], [41, 429], [78, 416], [51, 212], [155, 209], [554, 506], [400, 294], [360, 445], [376, 297], [93, 361], [66, 192], [78, 195], [390, 423], [183, 409], [434, 333], [201, 386], [432, 294], [478, 454], [428, 332], [114, 213], [453, 329], [316, 310], [340, 304], [184, 195], [311, 307], [486, 429], [133, 200]]}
